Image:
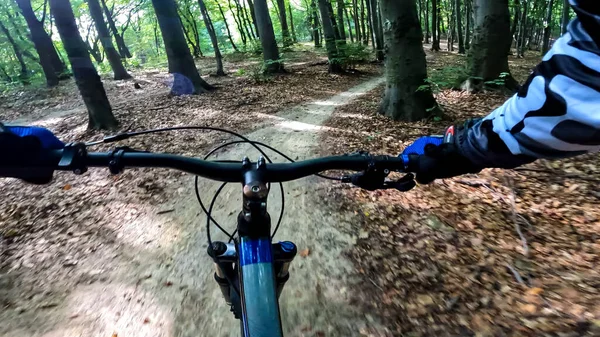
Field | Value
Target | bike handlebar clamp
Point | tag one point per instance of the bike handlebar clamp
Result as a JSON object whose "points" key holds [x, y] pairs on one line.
{"points": [[73, 158]]}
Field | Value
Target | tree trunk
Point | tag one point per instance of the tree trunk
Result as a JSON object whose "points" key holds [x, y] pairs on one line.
{"points": [[187, 80], [347, 15], [515, 21], [111, 53], [547, 28], [469, 17], [238, 23], [459, 32], [24, 74], [315, 24], [522, 31], [450, 33], [565, 17], [213, 37], [435, 26], [244, 20], [252, 14], [156, 36], [87, 79], [334, 23], [355, 16], [427, 32], [285, 32], [123, 49], [291, 16], [248, 21], [363, 28], [370, 24], [38, 34], [267, 38], [407, 97], [328, 31], [488, 56], [340, 19], [227, 26], [377, 30]]}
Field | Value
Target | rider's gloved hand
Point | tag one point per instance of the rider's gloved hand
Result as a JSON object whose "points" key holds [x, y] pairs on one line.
{"points": [[436, 157], [19, 144]]}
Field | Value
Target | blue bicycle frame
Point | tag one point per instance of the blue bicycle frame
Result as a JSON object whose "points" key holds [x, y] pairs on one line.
{"points": [[260, 306]]}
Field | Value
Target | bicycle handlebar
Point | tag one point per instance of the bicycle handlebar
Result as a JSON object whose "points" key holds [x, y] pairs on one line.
{"points": [[76, 159]]}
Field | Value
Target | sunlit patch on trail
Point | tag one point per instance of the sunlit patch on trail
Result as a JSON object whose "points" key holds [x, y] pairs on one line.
{"points": [[115, 310], [299, 126]]}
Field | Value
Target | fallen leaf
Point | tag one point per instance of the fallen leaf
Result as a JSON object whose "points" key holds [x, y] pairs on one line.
{"points": [[146, 320], [168, 284], [67, 187], [528, 308], [535, 291], [114, 334], [304, 252]]}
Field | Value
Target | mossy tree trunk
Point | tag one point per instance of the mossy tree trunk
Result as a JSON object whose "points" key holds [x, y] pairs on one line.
{"points": [[407, 95], [330, 38]]}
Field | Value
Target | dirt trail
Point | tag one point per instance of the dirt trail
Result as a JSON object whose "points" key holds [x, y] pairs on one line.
{"points": [[166, 287]]}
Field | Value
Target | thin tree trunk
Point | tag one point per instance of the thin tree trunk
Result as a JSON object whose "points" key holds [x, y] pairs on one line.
{"points": [[123, 49], [248, 21], [285, 32], [435, 25], [547, 28], [427, 31], [356, 21], [515, 23], [407, 97], [349, 24], [328, 31], [469, 17], [565, 17], [267, 38], [239, 25], [38, 34], [111, 53], [24, 74], [370, 24], [522, 31], [227, 25], [242, 15], [213, 37], [156, 36], [291, 16], [315, 24], [340, 19], [187, 80], [461, 42], [251, 5], [87, 79], [363, 28], [377, 32]]}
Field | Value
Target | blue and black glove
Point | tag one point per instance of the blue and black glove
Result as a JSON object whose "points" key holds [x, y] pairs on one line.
{"points": [[438, 157], [19, 145]]}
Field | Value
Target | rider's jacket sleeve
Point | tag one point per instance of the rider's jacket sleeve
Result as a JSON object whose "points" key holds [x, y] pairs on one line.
{"points": [[556, 113]]}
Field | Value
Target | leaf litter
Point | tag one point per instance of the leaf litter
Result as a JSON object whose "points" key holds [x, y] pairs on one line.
{"points": [[446, 259]]}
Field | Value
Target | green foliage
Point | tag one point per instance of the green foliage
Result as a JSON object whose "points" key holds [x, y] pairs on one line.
{"points": [[352, 54], [444, 78], [499, 82]]}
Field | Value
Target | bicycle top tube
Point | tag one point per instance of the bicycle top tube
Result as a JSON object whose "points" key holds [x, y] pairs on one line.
{"points": [[75, 158]]}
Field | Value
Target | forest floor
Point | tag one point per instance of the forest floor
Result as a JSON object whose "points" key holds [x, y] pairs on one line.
{"points": [[102, 255]]}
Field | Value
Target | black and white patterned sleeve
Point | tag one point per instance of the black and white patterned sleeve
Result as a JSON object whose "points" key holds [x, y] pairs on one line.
{"points": [[556, 113]]}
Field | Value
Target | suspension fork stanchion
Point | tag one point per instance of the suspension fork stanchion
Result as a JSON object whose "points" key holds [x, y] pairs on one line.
{"points": [[257, 274]]}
